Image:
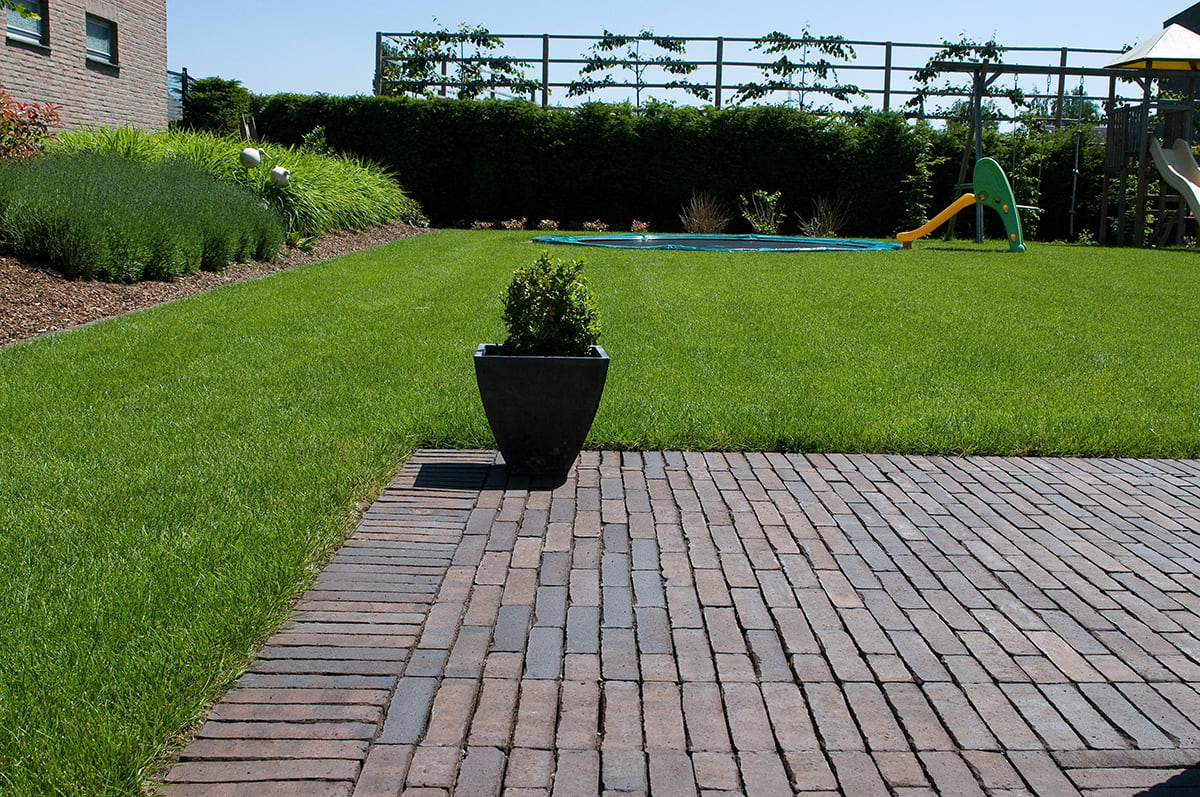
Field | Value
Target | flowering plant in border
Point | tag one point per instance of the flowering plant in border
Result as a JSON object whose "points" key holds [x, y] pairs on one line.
{"points": [[25, 127]]}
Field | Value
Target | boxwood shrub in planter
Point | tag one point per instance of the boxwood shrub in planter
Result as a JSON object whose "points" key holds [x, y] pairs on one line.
{"points": [[541, 387]]}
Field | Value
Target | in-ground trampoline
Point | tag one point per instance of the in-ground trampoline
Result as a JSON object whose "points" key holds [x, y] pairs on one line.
{"points": [[726, 243]]}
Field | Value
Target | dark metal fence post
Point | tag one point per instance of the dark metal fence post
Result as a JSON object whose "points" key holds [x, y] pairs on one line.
{"points": [[720, 64], [887, 78], [442, 85], [545, 69], [1062, 89], [378, 63]]}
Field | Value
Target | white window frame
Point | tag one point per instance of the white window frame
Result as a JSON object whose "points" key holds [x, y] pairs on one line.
{"points": [[17, 34], [109, 58]]}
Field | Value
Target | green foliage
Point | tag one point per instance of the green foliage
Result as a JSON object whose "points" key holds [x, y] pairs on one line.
{"points": [[550, 311], [314, 141], [763, 211], [103, 216], [326, 192], [215, 105], [616, 52], [966, 50], [25, 128], [780, 75], [496, 160], [917, 190], [411, 65]]}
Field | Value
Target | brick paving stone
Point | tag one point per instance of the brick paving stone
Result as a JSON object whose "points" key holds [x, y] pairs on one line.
{"points": [[384, 771], [900, 769], [676, 622], [623, 770], [481, 772], [537, 710], [579, 716], [577, 774], [662, 714]]}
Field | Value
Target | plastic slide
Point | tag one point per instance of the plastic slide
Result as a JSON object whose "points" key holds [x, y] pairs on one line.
{"points": [[991, 189], [1178, 168]]}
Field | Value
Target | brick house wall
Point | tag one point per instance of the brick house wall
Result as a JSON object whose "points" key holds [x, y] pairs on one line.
{"points": [[133, 91]]}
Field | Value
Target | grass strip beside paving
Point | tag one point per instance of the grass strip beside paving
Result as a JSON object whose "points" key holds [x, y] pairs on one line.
{"points": [[170, 479]]}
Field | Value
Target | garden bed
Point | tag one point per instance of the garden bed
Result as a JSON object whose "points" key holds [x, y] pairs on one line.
{"points": [[35, 299]]}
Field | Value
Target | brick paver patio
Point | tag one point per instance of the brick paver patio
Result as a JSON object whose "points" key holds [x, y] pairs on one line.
{"points": [[683, 624]]}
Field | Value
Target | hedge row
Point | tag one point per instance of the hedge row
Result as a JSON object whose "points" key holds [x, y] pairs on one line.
{"points": [[466, 160]]}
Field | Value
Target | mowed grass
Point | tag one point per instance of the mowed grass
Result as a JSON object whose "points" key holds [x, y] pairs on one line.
{"points": [[170, 479]]}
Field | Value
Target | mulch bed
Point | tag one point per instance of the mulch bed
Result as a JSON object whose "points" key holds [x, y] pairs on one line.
{"points": [[35, 299]]}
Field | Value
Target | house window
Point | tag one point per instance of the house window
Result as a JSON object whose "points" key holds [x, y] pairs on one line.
{"points": [[101, 40], [28, 29]]}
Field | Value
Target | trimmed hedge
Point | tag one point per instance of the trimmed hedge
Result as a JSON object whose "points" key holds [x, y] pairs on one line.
{"points": [[466, 160], [105, 216]]}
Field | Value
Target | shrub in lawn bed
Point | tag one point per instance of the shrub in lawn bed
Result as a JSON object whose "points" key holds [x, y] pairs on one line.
{"points": [[104, 216], [326, 192]]}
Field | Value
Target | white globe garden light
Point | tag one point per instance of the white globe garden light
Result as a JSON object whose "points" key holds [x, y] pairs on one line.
{"points": [[251, 157]]}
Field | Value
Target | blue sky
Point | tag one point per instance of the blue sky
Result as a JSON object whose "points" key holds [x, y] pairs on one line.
{"points": [[308, 46]]}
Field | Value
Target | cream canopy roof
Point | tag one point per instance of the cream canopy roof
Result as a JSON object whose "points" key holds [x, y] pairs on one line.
{"points": [[1173, 48]]}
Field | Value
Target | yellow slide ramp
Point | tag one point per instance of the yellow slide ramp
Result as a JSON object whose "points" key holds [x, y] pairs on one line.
{"points": [[906, 238]]}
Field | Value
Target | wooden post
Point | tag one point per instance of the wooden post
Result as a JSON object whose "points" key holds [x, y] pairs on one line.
{"points": [[378, 63], [977, 113], [887, 77], [1062, 89], [720, 64], [545, 69], [1139, 221], [1191, 112], [1109, 106]]}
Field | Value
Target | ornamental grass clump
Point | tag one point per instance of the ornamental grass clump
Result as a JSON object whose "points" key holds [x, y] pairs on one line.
{"points": [[550, 310], [104, 216], [326, 192]]}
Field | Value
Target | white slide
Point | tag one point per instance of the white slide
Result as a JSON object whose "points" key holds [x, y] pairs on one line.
{"points": [[1179, 169]]}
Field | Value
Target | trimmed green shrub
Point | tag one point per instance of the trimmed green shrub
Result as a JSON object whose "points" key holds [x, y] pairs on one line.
{"points": [[99, 215], [215, 105], [550, 311], [494, 159], [326, 192]]}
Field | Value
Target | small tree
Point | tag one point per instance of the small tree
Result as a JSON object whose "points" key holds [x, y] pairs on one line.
{"points": [[603, 60], [215, 105], [411, 66], [967, 50], [781, 74]]}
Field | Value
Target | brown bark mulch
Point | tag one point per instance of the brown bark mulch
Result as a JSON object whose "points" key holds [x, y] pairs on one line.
{"points": [[35, 299]]}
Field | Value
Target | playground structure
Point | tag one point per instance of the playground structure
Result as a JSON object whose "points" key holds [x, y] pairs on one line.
{"points": [[989, 188], [1131, 149]]}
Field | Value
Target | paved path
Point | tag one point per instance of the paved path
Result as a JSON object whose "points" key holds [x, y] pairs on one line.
{"points": [[683, 624]]}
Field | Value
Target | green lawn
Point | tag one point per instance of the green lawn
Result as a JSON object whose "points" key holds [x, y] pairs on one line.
{"points": [[168, 479]]}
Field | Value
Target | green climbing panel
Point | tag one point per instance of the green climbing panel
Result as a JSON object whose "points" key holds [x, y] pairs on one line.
{"points": [[992, 190]]}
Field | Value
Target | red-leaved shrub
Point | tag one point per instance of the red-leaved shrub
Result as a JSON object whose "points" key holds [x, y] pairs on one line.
{"points": [[25, 127]]}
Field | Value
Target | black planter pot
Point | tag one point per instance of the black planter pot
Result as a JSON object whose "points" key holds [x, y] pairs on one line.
{"points": [[540, 408]]}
